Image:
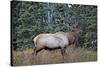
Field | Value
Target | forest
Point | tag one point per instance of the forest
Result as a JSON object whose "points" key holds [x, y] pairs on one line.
{"points": [[28, 19]]}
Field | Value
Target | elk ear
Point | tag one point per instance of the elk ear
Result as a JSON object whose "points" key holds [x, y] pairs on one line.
{"points": [[69, 24]]}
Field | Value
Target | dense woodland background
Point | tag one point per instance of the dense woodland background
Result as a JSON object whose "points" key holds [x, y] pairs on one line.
{"points": [[32, 18]]}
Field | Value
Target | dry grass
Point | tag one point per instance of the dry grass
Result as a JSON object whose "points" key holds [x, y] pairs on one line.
{"points": [[51, 57]]}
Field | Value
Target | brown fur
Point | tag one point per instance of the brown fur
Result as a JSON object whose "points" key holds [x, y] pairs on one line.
{"points": [[72, 36]]}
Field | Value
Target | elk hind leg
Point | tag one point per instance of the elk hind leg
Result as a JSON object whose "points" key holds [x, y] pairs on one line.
{"points": [[63, 52], [37, 49]]}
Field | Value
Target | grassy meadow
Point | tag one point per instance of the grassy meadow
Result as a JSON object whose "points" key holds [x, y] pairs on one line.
{"points": [[25, 57]]}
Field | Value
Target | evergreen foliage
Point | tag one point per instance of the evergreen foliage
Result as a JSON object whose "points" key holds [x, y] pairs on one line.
{"points": [[31, 18]]}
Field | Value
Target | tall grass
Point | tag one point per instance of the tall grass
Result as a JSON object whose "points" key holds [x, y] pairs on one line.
{"points": [[51, 57]]}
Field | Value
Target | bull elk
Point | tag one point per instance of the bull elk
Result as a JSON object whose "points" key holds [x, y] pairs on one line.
{"points": [[57, 40]]}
